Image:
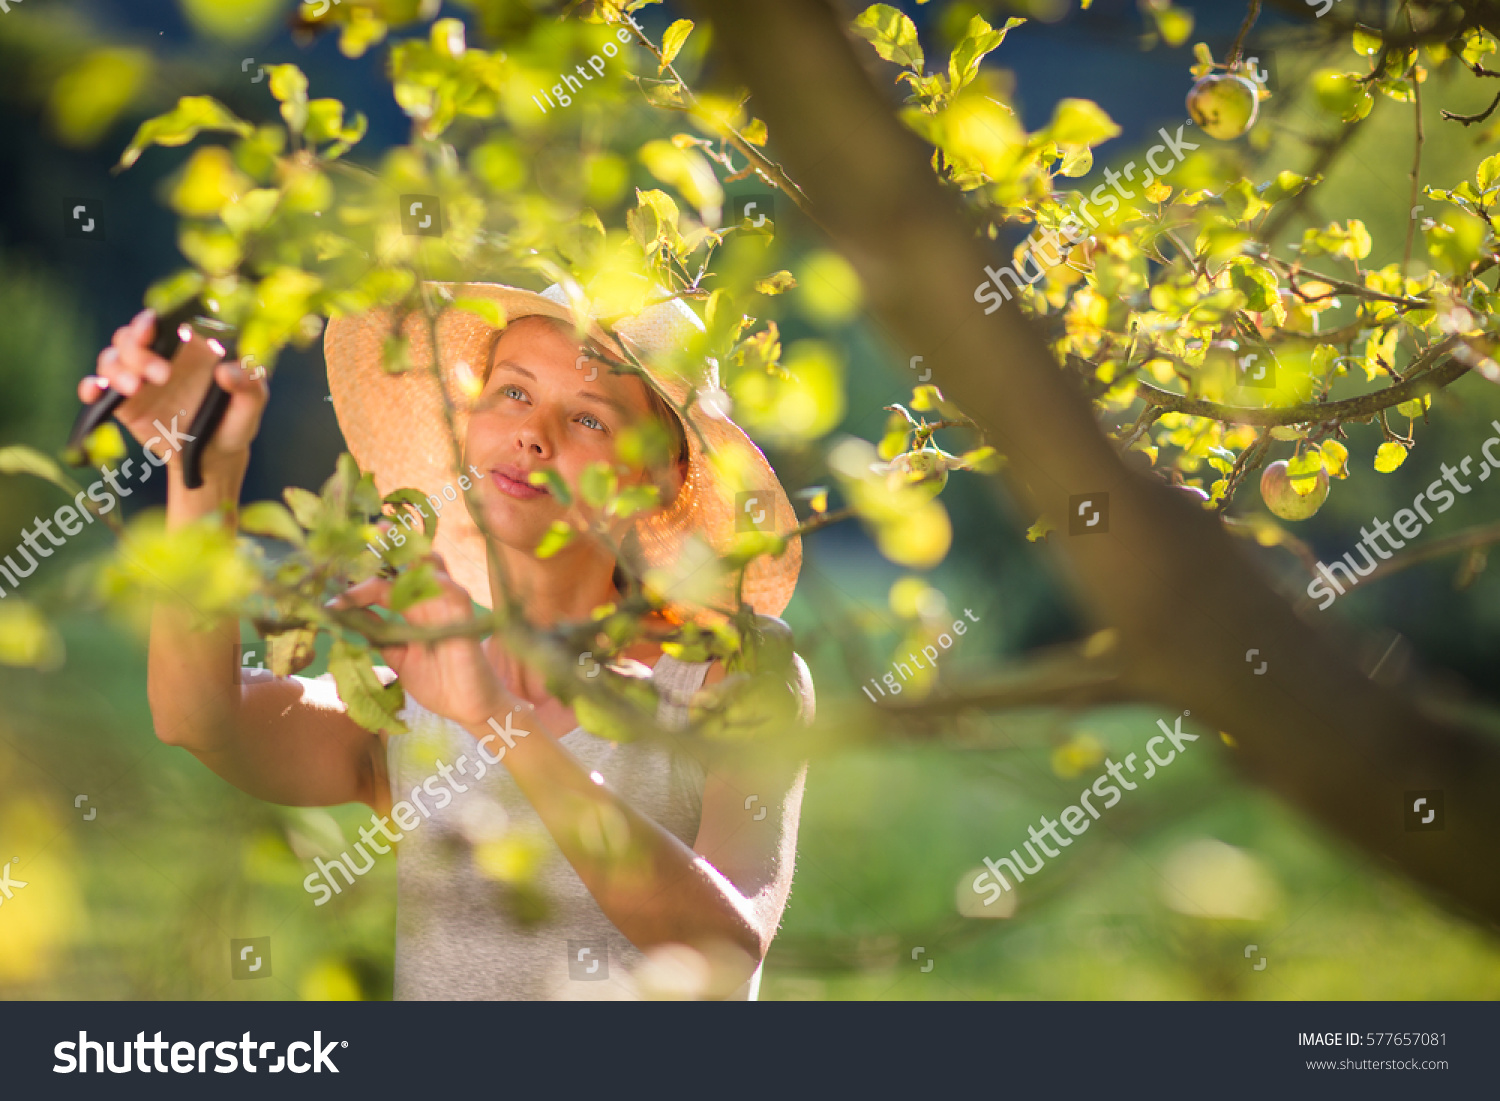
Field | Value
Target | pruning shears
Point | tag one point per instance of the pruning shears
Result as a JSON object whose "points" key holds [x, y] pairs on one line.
{"points": [[173, 329]]}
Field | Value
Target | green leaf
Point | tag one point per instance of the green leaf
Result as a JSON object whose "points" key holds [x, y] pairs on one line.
{"points": [[672, 40], [271, 519], [1256, 283], [1366, 41], [1303, 470], [653, 222], [558, 536], [1489, 172], [892, 33], [414, 499], [597, 484], [897, 436], [251, 211], [1335, 459], [984, 460], [602, 720], [290, 652], [371, 704], [306, 506], [414, 586], [776, 283], [633, 499], [487, 309], [554, 484], [924, 399], [1175, 24], [105, 445], [978, 40], [27, 640], [191, 116], [325, 120], [19, 459], [289, 86], [1389, 456], [1081, 122]]}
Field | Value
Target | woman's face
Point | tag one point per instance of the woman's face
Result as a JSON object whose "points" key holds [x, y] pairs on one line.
{"points": [[541, 409]]}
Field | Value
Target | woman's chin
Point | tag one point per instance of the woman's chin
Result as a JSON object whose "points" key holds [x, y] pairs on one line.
{"points": [[518, 524]]}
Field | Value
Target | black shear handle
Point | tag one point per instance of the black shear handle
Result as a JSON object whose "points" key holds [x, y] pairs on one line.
{"points": [[205, 422]]}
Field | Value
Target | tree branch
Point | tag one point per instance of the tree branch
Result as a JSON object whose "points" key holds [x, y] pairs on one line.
{"points": [[1188, 605], [1317, 412]]}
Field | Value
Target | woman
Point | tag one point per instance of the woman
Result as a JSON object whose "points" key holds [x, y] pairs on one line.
{"points": [[649, 850]]}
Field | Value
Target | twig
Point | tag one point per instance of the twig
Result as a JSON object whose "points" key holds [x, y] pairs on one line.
{"points": [[1416, 164], [772, 172], [1250, 16]]}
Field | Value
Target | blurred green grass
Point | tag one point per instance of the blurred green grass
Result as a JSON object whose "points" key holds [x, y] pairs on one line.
{"points": [[142, 901]]}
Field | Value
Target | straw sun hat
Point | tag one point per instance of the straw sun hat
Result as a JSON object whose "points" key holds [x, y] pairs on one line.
{"points": [[395, 428]]}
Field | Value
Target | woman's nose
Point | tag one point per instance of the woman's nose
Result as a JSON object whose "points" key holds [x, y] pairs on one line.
{"points": [[532, 438]]}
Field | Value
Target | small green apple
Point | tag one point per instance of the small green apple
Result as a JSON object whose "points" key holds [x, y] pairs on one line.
{"points": [[925, 470], [1224, 106], [1277, 492]]}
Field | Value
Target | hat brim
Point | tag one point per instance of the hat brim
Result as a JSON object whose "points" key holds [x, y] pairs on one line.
{"points": [[396, 426]]}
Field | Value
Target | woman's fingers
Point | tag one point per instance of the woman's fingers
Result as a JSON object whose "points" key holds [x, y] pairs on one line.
{"points": [[377, 590], [91, 388], [248, 394], [112, 368]]}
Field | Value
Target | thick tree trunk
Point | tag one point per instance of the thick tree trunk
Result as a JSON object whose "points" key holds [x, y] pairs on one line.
{"points": [[1187, 602]]}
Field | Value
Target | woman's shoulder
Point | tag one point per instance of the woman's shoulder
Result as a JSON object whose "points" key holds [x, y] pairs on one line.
{"points": [[803, 686], [708, 673]]}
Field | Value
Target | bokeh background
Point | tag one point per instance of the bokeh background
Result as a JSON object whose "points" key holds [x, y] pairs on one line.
{"points": [[1161, 900]]}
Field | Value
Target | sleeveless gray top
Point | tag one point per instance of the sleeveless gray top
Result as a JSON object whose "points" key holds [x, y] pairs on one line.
{"points": [[487, 906]]}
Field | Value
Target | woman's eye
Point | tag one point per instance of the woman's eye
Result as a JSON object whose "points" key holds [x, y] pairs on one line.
{"points": [[590, 422], [513, 392]]}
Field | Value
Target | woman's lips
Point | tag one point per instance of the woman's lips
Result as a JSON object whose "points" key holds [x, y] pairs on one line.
{"points": [[513, 483]]}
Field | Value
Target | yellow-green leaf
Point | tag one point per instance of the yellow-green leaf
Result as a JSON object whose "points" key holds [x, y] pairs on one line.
{"points": [[1335, 459], [776, 283], [486, 309], [289, 85], [1081, 122], [414, 586], [270, 518], [290, 652], [558, 536], [672, 40], [26, 638], [371, 704], [892, 33], [19, 459], [1389, 456], [191, 116], [597, 484]]}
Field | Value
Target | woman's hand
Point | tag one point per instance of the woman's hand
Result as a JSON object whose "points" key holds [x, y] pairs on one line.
{"points": [[158, 390], [452, 678]]}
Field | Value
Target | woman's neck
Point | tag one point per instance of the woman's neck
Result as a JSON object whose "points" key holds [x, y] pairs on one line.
{"points": [[564, 588]]}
